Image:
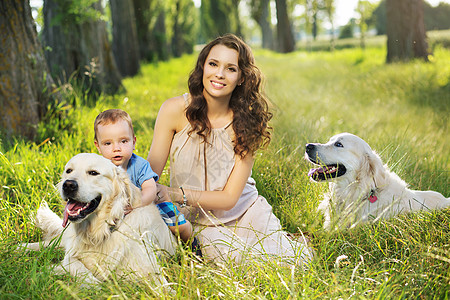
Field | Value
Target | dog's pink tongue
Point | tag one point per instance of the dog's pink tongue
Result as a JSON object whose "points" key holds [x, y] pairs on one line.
{"points": [[69, 206], [66, 218]]}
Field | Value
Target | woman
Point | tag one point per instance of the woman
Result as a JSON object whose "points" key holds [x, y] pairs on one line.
{"points": [[211, 135]]}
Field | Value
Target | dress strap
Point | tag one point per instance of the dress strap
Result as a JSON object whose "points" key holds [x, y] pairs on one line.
{"points": [[186, 99], [228, 125]]}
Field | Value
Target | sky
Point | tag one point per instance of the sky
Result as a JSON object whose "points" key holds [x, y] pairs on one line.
{"points": [[345, 9]]}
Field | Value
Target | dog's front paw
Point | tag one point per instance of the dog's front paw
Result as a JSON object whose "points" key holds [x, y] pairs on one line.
{"points": [[28, 247], [48, 222], [42, 212]]}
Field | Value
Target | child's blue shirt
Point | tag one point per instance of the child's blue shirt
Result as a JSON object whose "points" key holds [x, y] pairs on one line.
{"points": [[139, 170]]}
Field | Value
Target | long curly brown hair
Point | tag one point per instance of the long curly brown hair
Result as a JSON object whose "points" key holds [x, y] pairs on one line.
{"points": [[250, 107]]}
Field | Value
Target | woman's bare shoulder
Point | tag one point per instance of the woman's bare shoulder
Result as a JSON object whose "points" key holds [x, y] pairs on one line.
{"points": [[173, 111], [174, 106]]}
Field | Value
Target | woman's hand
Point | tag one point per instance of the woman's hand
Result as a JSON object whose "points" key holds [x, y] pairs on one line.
{"points": [[162, 194], [168, 194]]}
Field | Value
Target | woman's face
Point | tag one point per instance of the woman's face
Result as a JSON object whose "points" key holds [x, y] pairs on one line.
{"points": [[221, 73]]}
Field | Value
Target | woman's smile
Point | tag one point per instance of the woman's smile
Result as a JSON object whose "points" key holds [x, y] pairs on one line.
{"points": [[217, 85]]}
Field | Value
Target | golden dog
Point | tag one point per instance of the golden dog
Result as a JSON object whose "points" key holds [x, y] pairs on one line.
{"points": [[361, 188], [97, 236]]}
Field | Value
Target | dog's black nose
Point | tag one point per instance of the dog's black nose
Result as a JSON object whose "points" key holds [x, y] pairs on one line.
{"points": [[70, 187], [309, 148]]}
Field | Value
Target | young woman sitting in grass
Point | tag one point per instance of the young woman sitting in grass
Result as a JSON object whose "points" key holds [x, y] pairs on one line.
{"points": [[211, 136]]}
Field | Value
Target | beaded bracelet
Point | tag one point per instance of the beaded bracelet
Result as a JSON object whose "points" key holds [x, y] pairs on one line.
{"points": [[184, 198]]}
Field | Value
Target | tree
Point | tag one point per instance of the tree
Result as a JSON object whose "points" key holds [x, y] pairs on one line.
{"points": [[365, 10], [125, 42], [159, 37], [347, 30], [152, 29], [183, 33], [260, 12], [406, 37], [330, 9], [312, 8], [235, 5], [285, 36], [379, 18], [435, 18], [77, 43], [218, 17], [144, 17], [316, 12], [25, 83]]}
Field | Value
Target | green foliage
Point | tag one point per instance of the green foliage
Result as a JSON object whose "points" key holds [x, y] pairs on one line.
{"points": [[435, 18], [184, 27], [218, 17], [347, 31], [365, 9], [401, 110], [77, 99], [77, 12]]}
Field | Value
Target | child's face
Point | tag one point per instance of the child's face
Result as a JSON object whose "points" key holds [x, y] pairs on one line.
{"points": [[116, 142]]}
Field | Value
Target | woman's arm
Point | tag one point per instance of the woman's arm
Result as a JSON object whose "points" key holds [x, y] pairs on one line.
{"points": [[214, 200], [170, 119]]}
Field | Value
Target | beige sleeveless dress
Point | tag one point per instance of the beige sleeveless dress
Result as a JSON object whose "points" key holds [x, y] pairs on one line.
{"points": [[250, 228]]}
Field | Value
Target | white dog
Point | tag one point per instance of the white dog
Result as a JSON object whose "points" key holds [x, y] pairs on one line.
{"points": [[361, 188], [99, 239]]}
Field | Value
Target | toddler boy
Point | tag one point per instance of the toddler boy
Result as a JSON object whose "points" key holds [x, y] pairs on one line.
{"points": [[115, 140]]}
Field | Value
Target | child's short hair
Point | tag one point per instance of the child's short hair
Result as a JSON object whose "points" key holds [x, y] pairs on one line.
{"points": [[111, 116]]}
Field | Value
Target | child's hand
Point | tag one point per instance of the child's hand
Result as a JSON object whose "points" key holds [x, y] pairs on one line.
{"points": [[127, 209]]}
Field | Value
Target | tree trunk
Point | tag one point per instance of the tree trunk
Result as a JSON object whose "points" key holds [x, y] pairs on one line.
{"points": [[183, 18], [266, 27], [330, 9], [405, 30], [159, 37], [25, 83], [314, 30], [177, 39], [125, 42], [80, 47], [238, 29], [260, 11], [285, 36], [217, 18], [143, 19]]}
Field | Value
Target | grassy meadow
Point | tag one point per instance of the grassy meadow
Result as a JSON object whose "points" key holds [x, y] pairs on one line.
{"points": [[401, 110]]}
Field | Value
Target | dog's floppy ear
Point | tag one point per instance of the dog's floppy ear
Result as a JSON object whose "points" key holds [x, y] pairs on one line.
{"points": [[122, 195], [371, 170]]}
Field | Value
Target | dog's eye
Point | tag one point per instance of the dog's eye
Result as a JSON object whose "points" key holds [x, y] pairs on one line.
{"points": [[338, 144], [93, 173], [68, 171]]}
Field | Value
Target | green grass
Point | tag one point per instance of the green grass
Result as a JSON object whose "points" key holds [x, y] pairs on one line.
{"points": [[401, 110]]}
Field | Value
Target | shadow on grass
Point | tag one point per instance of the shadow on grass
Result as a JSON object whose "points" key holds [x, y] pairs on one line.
{"points": [[435, 97]]}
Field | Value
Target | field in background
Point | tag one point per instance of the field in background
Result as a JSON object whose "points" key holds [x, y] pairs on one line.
{"points": [[401, 110], [435, 38]]}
